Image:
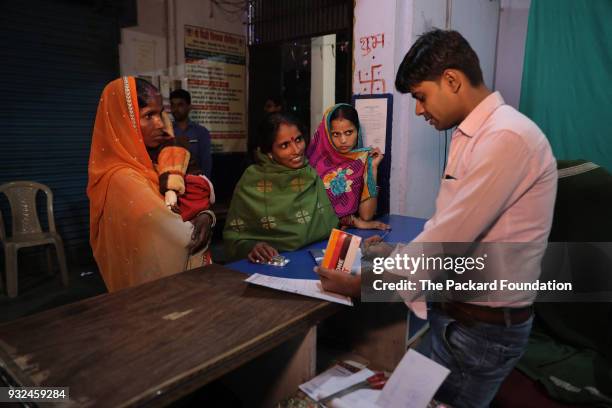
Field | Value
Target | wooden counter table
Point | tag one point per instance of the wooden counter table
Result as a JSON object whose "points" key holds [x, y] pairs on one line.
{"points": [[154, 343]]}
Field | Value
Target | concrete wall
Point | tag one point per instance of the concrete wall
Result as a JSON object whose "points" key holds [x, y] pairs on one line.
{"points": [[418, 149], [322, 77], [496, 30], [156, 45], [511, 49], [143, 48]]}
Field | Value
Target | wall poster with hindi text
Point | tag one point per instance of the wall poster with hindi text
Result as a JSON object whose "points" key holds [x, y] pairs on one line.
{"points": [[215, 66]]}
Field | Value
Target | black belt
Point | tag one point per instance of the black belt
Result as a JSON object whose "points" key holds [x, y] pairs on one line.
{"points": [[469, 313]]}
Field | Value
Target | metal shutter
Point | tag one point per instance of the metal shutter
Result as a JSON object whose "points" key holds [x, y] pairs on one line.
{"points": [[56, 58]]}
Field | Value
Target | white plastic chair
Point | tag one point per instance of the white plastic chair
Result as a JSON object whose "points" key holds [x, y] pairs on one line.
{"points": [[27, 231]]}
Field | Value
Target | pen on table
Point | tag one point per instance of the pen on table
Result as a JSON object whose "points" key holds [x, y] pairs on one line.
{"points": [[382, 239], [383, 236]]}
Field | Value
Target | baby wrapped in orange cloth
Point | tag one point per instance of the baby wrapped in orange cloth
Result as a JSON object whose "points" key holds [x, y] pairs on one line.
{"points": [[186, 190]]}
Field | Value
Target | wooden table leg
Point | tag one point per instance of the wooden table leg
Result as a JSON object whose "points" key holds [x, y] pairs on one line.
{"points": [[373, 331], [276, 375]]}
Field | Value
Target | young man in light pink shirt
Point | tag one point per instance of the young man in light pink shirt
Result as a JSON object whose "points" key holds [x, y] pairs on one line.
{"points": [[499, 186]]}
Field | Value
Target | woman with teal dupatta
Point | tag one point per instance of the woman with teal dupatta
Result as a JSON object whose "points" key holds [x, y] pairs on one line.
{"points": [[280, 203]]}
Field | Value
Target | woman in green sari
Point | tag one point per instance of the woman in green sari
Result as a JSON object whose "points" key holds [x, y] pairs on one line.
{"points": [[280, 203]]}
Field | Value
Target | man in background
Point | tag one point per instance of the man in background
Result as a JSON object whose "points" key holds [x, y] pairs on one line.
{"points": [[198, 136], [273, 104]]}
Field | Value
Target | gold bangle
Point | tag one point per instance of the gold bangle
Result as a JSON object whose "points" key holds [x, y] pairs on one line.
{"points": [[211, 215]]}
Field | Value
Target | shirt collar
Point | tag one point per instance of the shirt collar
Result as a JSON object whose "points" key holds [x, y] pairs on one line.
{"points": [[189, 124], [476, 118]]}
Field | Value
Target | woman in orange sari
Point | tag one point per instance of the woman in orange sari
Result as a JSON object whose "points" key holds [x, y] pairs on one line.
{"points": [[134, 237]]}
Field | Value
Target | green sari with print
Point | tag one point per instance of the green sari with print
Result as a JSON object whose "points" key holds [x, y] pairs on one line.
{"points": [[287, 208]]}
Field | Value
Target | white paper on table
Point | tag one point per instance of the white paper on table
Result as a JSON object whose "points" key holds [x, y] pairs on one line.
{"points": [[373, 121], [312, 387], [305, 287], [327, 383], [413, 383], [361, 398]]}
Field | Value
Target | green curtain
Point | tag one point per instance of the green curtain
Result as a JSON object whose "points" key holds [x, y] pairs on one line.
{"points": [[567, 77]]}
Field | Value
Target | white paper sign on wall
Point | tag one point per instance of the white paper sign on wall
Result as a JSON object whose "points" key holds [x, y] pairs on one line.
{"points": [[374, 45]]}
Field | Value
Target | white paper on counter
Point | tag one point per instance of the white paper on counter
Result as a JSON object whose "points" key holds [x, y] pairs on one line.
{"points": [[413, 383]]}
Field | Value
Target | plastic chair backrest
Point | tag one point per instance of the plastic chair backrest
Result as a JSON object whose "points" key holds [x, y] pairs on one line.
{"points": [[22, 199]]}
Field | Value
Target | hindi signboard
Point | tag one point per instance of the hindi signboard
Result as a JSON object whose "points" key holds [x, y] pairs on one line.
{"points": [[216, 78]]}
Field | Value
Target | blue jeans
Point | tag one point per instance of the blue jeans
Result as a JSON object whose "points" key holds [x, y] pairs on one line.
{"points": [[480, 357]]}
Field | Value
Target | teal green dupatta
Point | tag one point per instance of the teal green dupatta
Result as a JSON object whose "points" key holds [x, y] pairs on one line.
{"points": [[287, 208]]}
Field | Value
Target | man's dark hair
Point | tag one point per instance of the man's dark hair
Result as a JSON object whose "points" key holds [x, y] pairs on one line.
{"points": [[268, 129], [144, 91], [434, 52], [346, 112], [181, 94]]}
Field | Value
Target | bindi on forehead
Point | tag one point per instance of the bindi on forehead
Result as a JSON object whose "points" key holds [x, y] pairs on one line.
{"points": [[287, 138]]}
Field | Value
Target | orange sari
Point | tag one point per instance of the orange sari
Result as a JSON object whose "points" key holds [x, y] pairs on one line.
{"points": [[134, 237]]}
